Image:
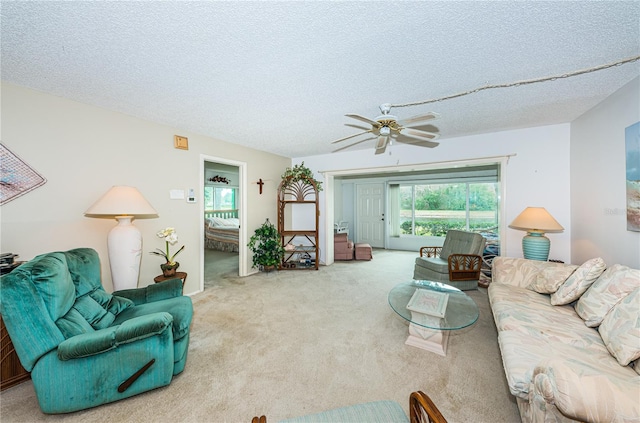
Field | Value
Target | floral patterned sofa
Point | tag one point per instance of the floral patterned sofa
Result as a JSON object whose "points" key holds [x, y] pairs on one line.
{"points": [[570, 338]]}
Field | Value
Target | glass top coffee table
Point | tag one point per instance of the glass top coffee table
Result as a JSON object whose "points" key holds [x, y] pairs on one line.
{"points": [[432, 310]]}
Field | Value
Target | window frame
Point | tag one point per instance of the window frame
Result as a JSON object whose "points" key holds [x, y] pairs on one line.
{"points": [[453, 181]]}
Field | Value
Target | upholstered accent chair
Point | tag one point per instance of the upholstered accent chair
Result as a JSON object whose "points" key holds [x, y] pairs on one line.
{"points": [[456, 263], [85, 347]]}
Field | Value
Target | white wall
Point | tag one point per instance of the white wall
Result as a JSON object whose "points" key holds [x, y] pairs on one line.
{"points": [[537, 174], [83, 150], [598, 198]]}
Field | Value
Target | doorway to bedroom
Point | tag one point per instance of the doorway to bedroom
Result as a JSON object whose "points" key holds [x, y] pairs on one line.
{"points": [[221, 212]]}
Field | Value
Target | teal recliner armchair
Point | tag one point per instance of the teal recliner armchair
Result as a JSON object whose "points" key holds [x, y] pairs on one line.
{"points": [[85, 347]]}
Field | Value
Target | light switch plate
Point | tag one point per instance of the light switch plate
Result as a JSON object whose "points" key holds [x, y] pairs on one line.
{"points": [[176, 194]]}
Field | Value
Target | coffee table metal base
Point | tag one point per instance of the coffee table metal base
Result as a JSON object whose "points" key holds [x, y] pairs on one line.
{"points": [[432, 340]]}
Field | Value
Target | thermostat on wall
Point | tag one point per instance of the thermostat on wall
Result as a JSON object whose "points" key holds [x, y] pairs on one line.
{"points": [[191, 198]]}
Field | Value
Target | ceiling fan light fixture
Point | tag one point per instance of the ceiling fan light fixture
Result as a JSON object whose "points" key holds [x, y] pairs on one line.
{"points": [[388, 128], [385, 108]]}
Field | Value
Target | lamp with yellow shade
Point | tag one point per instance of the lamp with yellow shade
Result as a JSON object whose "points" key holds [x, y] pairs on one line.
{"points": [[536, 221], [125, 240]]}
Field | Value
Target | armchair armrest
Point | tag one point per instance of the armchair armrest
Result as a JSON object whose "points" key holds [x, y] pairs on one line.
{"points": [[464, 267], [584, 393], [154, 292], [103, 340], [423, 410], [430, 251]]}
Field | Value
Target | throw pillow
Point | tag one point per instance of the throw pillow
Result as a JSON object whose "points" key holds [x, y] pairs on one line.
{"points": [[578, 282], [620, 329], [614, 284], [550, 278]]}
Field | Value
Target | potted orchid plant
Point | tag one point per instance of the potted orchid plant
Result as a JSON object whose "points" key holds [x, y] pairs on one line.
{"points": [[170, 236]]}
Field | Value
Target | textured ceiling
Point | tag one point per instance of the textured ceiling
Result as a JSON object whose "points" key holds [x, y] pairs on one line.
{"points": [[279, 76]]}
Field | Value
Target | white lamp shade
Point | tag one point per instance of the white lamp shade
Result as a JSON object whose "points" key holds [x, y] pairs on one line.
{"points": [[121, 201], [536, 219], [125, 240]]}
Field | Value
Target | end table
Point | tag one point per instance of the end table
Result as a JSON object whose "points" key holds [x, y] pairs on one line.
{"points": [[178, 275]]}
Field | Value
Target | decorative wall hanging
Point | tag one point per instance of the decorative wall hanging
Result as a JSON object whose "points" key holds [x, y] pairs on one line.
{"points": [[261, 183], [181, 142], [220, 179], [632, 154], [17, 178]]}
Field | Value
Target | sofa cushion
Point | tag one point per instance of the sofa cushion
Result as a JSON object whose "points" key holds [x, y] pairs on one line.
{"points": [[549, 279], [517, 271], [578, 282], [585, 391], [620, 329], [521, 354], [435, 264], [529, 313], [614, 284]]}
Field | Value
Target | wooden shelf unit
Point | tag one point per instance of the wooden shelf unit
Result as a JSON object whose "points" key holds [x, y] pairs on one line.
{"points": [[292, 194]]}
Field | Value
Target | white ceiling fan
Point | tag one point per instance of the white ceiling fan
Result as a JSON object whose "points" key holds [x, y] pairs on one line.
{"points": [[387, 128]]}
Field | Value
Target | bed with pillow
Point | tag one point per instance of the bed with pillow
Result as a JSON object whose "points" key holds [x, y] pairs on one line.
{"points": [[221, 234]]}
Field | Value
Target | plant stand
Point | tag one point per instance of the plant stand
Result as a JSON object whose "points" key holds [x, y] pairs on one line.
{"points": [[301, 245]]}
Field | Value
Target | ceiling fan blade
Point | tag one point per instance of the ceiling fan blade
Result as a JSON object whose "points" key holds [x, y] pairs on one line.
{"points": [[371, 122], [351, 145], [355, 125], [418, 134], [419, 118], [381, 145], [351, 136]]}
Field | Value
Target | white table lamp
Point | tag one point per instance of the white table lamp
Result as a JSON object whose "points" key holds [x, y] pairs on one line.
{"points": [[125, 240], [536, 221]]}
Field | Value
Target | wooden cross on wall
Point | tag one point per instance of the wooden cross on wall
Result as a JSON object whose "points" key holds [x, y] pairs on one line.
{"points": [[261, 184]]}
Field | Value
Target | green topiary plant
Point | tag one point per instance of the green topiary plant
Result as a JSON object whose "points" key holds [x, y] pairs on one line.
{"points": [[299, 173], [266, 247]]}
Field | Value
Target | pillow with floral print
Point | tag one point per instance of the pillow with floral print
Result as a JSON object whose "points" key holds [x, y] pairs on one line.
{"points": [[614, 284], [549, 279], [620, 329], [578, 282]]}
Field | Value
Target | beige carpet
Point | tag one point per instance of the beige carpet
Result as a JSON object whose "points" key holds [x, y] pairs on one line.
{"points": [[290, 343], [219, 265]]}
